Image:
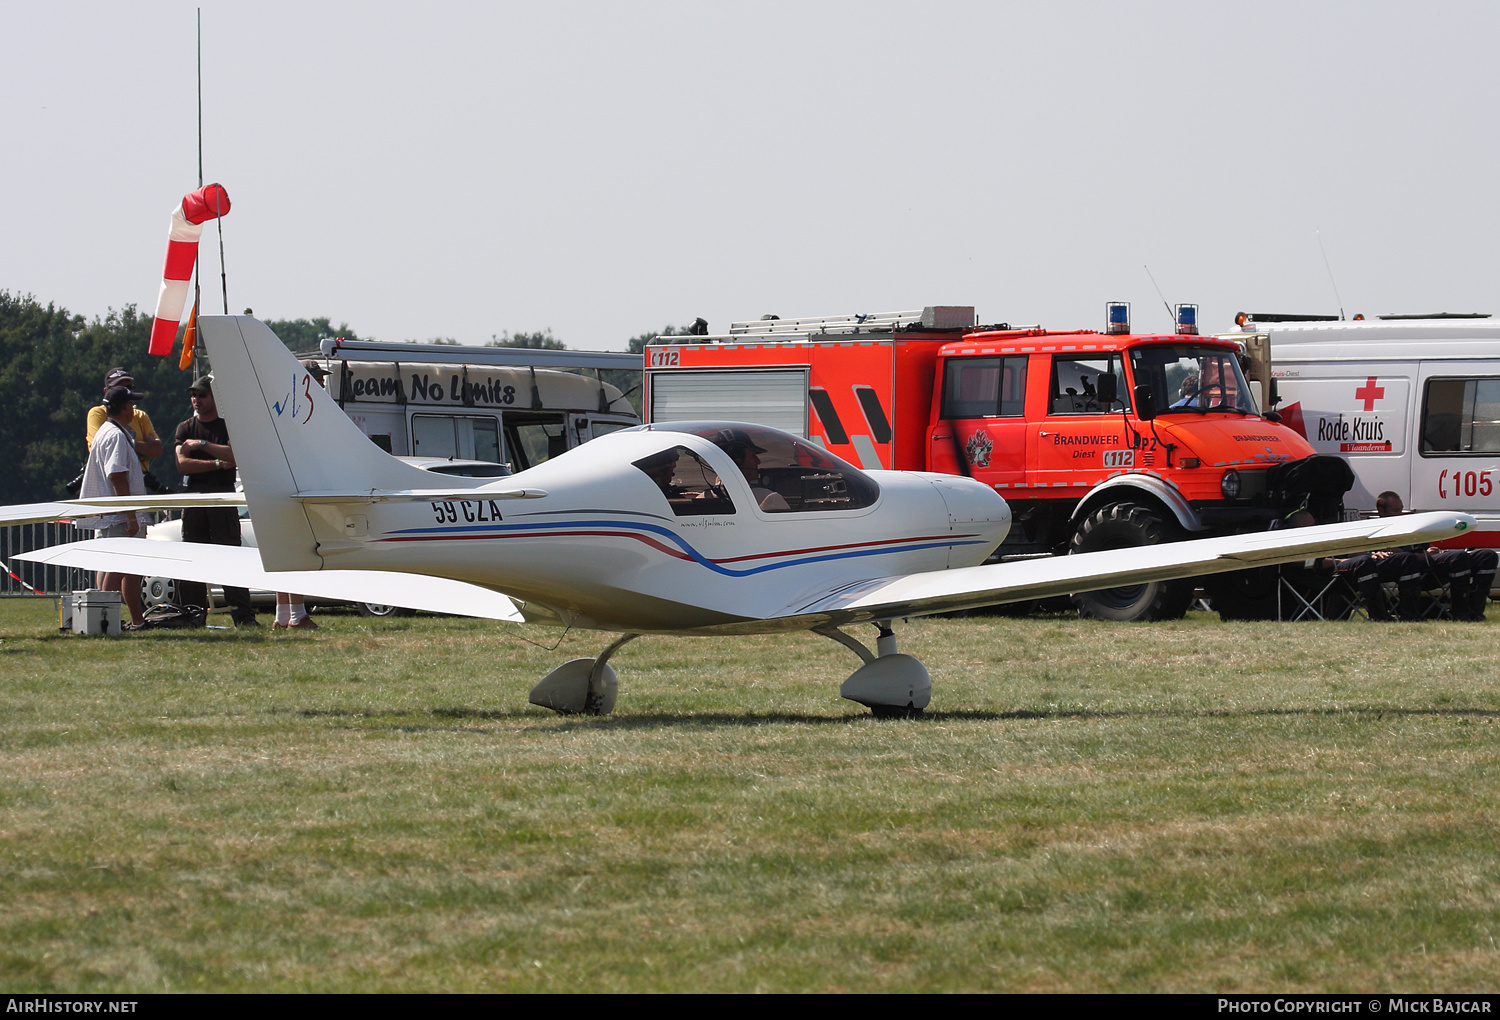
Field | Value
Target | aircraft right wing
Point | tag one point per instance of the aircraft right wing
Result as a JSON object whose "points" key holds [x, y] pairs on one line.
{"points": [[941, 591]]}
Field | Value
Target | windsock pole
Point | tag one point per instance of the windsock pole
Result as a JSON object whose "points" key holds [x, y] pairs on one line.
{"points": [[195, 209]]}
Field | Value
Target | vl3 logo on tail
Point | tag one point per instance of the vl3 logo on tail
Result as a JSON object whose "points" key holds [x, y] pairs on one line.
{"points": [[290, 403]]}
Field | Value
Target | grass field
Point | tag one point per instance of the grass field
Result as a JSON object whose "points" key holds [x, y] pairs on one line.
{"points": [[1192, 806]]}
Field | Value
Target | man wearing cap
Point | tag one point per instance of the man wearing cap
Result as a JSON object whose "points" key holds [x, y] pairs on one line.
{"points": [[206, 463], [746, 456], [146, 443], [114, 470], [318, 372]]}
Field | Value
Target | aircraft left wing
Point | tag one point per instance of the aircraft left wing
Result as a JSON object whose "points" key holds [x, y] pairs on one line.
{"points": [[941, 591], [240, 566], [37, 513], [31, 513], [68, 509]]}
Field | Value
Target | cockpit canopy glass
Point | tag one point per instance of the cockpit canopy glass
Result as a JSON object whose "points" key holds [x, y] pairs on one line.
{"points": [[786, 474], [1185, 378], [692, 488]]}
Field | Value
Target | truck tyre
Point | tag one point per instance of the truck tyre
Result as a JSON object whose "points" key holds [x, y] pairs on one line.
{"points": [[1127, 526], [376, 609]]}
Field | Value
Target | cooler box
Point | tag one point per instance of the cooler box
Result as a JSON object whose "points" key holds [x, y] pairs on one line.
{"points": [[96, 612]]}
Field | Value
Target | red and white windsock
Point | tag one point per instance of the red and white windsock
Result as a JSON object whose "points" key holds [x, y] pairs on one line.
{"points": [[196, 208]]}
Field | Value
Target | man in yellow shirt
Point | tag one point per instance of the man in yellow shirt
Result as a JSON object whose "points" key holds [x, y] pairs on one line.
{"points": [[147, 445]]}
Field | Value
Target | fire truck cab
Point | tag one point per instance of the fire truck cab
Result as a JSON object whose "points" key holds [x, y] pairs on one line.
{"points": [[1097, 440]]}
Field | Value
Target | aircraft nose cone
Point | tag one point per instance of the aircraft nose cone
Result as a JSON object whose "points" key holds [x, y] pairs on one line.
{"points": [[972, 504]]}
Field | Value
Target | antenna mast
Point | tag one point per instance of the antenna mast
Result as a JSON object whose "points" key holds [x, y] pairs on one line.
{"points": [[223, 275], [200, 97], [1330, 275], [1172, 318]]}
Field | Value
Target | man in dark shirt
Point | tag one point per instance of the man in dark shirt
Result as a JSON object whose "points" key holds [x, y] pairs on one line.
{"points": [[206, 462], [1370, 572]]}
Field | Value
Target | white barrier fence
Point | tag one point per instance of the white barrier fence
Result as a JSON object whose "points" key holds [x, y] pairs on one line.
{"points": [[21, 579]]}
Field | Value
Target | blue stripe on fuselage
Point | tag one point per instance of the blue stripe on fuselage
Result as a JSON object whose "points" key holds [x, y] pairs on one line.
{"points": [[463, 530]]}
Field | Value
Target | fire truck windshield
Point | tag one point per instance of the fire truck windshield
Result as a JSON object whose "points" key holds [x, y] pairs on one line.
{"points": [[785, 474], [1187, 379]]}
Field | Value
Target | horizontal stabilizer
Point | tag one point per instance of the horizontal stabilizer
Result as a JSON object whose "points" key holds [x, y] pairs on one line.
{"points": [[168, 501], [941, 591], [240, 567]]}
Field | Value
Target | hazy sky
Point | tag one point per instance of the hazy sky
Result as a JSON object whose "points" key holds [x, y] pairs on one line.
{"points": [[459, 169]]}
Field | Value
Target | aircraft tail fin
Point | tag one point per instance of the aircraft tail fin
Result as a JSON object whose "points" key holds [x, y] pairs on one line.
{"points": [[289, 436]]}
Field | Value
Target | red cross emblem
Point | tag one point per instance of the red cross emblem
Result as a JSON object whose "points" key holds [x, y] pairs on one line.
{"points": [[1369, 393]]}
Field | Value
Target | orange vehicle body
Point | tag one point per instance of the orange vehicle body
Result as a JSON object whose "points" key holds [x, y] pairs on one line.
{"points": [[1018, 409]]}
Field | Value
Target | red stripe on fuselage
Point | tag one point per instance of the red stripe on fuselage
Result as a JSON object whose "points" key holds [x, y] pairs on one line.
{"points": [[653, 543]]}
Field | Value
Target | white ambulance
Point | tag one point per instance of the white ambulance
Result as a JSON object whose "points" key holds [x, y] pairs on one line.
{"points": [[1413, 403]]}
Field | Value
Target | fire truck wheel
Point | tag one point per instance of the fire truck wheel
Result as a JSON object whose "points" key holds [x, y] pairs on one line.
{"points": [[1126, 526]]}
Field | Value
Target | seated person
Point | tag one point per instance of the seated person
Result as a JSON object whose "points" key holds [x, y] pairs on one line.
{"points": [[1467, 573], [1369, 572], [746, 456], [1187, 391], [1482, 563], [660, 467]]}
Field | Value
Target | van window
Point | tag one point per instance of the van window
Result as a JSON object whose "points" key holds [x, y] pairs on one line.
{"points": [[456, 436], [984, 387], [533, 438], [1074, 382], [1461, 416], [603, 427]]}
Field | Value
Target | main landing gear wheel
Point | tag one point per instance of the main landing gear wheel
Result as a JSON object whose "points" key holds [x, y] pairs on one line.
{"points": [[581, 686], [1129, 526], [889, 684]]}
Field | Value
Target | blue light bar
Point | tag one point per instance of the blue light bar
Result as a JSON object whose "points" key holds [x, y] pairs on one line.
{"points": [[1187, 319], [1117, 317]]}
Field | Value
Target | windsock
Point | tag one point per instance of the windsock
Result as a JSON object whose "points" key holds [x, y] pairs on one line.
{"points": [[196, 208]]}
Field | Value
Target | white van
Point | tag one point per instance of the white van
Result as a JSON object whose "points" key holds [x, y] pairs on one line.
{"points": [[1412, 403]]}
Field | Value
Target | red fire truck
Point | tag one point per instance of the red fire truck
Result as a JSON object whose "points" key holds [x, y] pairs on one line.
{"points": [[1097, 440]]}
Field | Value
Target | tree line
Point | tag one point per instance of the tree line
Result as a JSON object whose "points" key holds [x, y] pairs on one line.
{"points": [[52, 367]]}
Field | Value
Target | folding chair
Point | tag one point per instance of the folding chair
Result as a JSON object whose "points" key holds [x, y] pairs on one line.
{"points": [[1303, 594]]}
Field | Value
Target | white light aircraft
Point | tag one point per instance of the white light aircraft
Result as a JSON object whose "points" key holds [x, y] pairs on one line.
{"points": [[703, 528]]}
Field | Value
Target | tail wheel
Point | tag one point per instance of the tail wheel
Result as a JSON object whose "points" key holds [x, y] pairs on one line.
{"points": [[1128, 526]]}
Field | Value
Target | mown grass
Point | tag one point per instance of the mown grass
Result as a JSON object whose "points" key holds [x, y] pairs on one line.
{"points": [[1192, 806]]}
